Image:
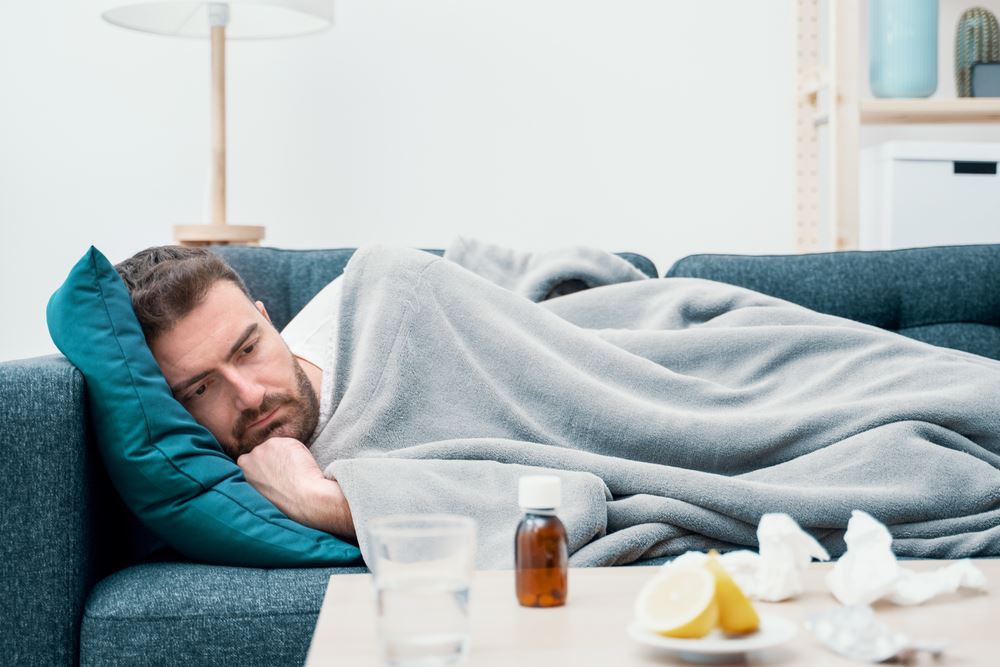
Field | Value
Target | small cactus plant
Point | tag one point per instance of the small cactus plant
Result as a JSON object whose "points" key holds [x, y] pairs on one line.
{"points": [[977, 40]]}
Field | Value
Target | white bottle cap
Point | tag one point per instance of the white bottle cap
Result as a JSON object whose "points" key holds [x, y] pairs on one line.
{"points": [[540, 492]]}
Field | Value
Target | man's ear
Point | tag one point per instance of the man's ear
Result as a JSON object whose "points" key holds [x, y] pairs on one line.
{"points": [[262, 309]]}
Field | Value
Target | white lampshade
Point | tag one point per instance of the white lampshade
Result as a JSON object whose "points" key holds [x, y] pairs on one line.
{"points": [[248, 19]]}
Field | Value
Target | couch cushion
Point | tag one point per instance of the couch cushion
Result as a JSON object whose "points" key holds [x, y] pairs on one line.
{"points": [[946, 295], [187, 614], [169, 469], [285, 280]]}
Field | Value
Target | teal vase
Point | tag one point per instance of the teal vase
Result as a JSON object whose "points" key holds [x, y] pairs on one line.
{"points": [[976, 41], [903, 47]]}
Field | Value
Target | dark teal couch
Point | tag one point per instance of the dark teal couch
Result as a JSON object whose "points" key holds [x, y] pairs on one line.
{"points": [[82, 583]]}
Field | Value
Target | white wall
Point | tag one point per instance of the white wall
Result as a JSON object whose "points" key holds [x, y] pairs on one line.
{"points": [[660, 126]]}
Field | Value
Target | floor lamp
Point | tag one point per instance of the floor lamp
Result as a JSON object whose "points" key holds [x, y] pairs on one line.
{"points": [[219, 21]]}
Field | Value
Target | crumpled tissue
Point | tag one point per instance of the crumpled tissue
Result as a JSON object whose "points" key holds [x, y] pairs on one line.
{"points": [[868, 570], [775, 573]]}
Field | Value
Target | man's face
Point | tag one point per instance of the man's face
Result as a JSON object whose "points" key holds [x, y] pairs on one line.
{"points": [[226, 364]]}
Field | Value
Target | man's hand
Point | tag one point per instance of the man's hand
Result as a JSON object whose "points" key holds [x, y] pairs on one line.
{"points": [[284, 472]]}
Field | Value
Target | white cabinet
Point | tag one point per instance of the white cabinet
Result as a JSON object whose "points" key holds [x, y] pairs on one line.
{"points": [[929, 193]]}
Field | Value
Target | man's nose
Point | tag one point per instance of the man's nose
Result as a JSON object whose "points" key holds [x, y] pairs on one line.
{"points": [[248, 393]]}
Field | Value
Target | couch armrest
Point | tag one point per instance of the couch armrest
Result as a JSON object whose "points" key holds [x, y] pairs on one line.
{"points": [[50, 480]]}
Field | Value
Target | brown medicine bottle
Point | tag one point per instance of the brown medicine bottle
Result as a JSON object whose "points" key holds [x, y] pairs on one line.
{"points": [[541, 558]]}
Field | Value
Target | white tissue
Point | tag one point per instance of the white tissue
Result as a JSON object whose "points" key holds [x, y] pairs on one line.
{"points": [[918, 587], [785, 552], [776, 573], [868, 570]]}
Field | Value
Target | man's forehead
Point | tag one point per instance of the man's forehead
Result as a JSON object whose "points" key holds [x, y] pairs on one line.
{"points": [[207, 333]]}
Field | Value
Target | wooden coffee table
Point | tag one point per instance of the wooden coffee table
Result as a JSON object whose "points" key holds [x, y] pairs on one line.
{"points": [[591, 628]]}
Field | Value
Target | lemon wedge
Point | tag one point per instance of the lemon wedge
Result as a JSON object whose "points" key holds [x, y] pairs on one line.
{"points": [[681, 602], [736, 613]]}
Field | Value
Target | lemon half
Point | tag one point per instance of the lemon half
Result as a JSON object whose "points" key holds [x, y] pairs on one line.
{"points": [[681, 602], [736, 613]]}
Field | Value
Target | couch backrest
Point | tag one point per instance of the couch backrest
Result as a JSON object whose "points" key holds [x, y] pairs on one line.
{"points": [[285, 280], [945, 295]]}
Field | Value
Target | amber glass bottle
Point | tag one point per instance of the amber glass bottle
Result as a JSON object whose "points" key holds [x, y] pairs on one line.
{"points": [[541, 558]]}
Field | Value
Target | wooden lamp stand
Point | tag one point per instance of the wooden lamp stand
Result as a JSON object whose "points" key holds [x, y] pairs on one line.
{"points": [[218, 232]]}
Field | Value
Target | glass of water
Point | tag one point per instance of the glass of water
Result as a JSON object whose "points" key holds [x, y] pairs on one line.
{"points": [[422, 565]]}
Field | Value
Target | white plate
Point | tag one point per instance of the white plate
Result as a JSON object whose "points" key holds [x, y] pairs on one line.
{"points": [[774, 630]]}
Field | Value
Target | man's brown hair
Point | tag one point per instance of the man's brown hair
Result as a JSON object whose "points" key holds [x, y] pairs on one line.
{"points": [[168, 282]]}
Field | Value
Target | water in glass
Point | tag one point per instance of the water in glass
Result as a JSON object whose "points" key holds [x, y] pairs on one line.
{"points": [[423, 621]]}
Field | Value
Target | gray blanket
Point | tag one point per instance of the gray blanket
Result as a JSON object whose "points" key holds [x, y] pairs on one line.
{"points": [[677, 412], [543, 274]]}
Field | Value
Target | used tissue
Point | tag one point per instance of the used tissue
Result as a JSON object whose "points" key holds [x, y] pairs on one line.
{"points": [[785, 552], [868, 570]]}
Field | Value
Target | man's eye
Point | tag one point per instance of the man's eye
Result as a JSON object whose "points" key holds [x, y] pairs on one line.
{"points": [[198, 392], [249, 348]]}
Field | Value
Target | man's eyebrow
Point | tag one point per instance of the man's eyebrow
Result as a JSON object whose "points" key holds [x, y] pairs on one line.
{"points": [[181, 386], [249, 331], [184, 384]]}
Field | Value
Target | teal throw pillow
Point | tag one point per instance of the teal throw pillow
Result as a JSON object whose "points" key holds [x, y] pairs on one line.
{"points": [[170, 470]]}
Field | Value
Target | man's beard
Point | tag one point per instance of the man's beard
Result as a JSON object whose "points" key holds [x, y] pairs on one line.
{"points": [[299, 420]]}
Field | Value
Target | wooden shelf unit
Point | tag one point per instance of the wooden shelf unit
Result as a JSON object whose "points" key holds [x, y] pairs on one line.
{"points": [[838, 83], [959, 110]]}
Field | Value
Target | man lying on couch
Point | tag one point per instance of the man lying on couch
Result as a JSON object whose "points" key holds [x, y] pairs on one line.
{"points": [[232, 371], [676, 411]]}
